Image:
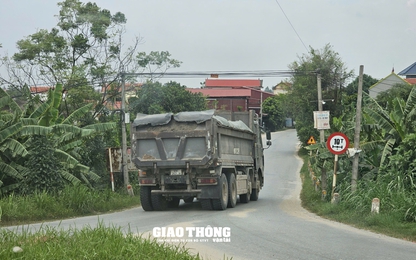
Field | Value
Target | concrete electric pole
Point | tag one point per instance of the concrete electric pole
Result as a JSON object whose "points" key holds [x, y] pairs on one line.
{"points": [[124, 136], [321, 136], [357, 130]]}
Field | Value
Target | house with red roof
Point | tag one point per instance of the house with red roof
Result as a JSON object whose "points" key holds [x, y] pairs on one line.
{"points": [[233, 94], [409, 73], [42, 91]]}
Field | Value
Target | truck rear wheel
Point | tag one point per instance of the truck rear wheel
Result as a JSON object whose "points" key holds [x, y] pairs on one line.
{"points": [[221, 203], [159, 202], [145, 198], [255, 192], [245, 198], [232, 191]]}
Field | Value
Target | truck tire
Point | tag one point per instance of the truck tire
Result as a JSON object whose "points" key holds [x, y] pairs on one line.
{"points": [[221, 203], [255, 192], [145, 198], [206, 204], [245, 198], [174, 203], [232, 190], [159, 202]]}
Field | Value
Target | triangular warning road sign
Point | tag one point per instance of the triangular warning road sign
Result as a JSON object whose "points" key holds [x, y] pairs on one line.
{"points": [[311, 140]]}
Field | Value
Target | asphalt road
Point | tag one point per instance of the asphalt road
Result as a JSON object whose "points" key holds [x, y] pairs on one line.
{"points": [[274, 227]]}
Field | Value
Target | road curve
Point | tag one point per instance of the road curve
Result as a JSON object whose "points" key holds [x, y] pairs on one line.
{"points": [[274, 227]]}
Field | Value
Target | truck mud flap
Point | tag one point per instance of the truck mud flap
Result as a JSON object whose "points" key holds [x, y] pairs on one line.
{"points": [[210, 192]]}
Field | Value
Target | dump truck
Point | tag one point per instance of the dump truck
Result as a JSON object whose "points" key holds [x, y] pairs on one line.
{"points": [[213, 156]]}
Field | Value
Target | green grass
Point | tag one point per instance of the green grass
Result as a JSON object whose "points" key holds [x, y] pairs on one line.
{"points": [[87, 243], [102, 242], [71, 202], [387, 222]]}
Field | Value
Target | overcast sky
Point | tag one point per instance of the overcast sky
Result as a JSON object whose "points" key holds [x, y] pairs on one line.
{"points": [[246, 35]]}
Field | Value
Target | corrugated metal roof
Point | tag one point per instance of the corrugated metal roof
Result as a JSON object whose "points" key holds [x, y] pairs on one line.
{"points": [[221, 92], [233, 83], [411, 70]]}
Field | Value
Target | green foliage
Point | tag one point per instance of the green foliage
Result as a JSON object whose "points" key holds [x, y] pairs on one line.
{"points": [[275, 108], [402, 165], [349, 96], [386, 163], [43, 168], [352, 88], [153, 98], [71, 201], [399, 90], [156, 62], [394, 124], [74, 243], [84, 49], [355, 207], [303, 93], [44, 151]]}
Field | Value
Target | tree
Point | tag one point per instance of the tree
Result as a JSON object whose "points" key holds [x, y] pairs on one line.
{"points": [[267, 89], [156, 63], [275, 108], [84, 49], [41, 149], [303, 93], [154, 98], [350, 93], [398, 90], [178, 99], [87, 37], [149, 99]]}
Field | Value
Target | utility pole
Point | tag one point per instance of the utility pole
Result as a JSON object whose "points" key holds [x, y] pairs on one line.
{"points": [[321, 131], [321, 137], [357, 130], [124, 136]]}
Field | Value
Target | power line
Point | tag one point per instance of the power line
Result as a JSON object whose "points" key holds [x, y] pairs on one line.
{"points": [[197, 74], [188, 74], [292, 26]]}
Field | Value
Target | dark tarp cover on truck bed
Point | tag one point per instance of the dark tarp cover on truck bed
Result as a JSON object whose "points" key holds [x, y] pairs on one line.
{"points": [[194, 116]]}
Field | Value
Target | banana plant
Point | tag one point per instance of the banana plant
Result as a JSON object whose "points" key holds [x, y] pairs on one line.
{"points": [[10, 148], [17, 134], [392, 126]]}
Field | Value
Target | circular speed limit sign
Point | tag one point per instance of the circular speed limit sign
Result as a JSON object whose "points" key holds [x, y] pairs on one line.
{"points": [[337, 143]]}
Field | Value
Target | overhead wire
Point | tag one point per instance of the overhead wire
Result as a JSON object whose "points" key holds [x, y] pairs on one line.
{"points": [[189, 74], [287, 18]]}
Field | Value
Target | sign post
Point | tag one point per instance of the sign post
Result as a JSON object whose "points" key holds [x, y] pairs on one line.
{"points": [[337, 144]]}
